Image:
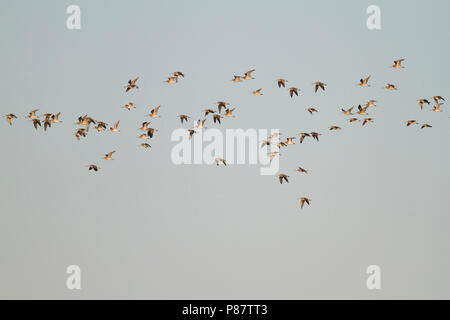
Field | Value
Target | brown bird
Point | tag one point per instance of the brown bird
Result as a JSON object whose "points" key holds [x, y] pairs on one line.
{"points": [[132, 84], [178, 74], [219, 160], [364, 82], [36, 123], [367, 120], [315, 135], [32, 115], [154, 112], [290, 141], [151, 132], [221, 105], [10, 117], [55, 118], [248, 75], [129, 106], [258, 92], [145, 125], [237, 79], [362, 111], [229, 113], [116, 127], [437, 98], [301, 170], [303, 201], [108, 156], [93, 167], [47, 123], [217, 118], [303, 135], [318, 85], [426, 125], [410, 122], [281, 144], [391, 86], [311, 110], [208, 111], [172, 80], [398, 64], [82, 132], [347, 112], [183, 117], [293, 91], [191, 133], [282, 83], [282, 177], [436, 108], [422, 101], [145, 145], [371, 103], [354, 120], [101, 126], [335, 128]]}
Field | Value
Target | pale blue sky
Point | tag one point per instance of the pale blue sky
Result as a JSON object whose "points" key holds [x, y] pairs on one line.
{"points": [[144, 228]]}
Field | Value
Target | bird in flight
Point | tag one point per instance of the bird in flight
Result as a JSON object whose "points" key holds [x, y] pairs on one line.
{"points": [[10, 117], [391, 86], [304, 200], [422, 101], [335, 128], [318, 85], [425, 125], [290, 141], [191, 133], [367, 120], [36, 123], [312, 110], [217, 118], [132, 84], [301, 170], [201, 124], [47, 123], [371, 103], [362, 111], [282, 177], [398, 64], [438, 98], [293, 91], [219, 160], [229, 112], [32, 115], [436, 108], [183, 117], [248, 75], [222, 105], [258, 92], [347, 112], [145, 145], [237, 79], [172, 80], [154, 112], [353, 120], [410, 122], [151, 132], [208, 111], [178, 74], [116, 127], [101, 126], [129, 106], [108, 156], [315, 135], [93, 167], [303, 135], [55, 118], [364, 82], [82, 132], [281, 83]]}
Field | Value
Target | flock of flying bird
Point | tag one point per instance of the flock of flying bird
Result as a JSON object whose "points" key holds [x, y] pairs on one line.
{"points": [[85, 122]]}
